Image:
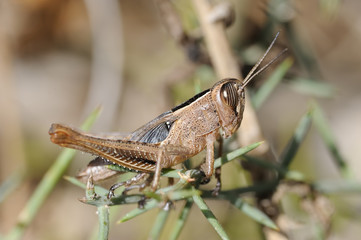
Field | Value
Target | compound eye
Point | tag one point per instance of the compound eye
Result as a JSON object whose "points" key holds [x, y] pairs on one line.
{"points": [[230, 96]]}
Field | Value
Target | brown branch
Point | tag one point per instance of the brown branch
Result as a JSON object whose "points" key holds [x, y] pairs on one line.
{"points": [[226, 65]]}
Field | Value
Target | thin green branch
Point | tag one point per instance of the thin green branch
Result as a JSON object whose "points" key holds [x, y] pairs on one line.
{"points": [[172, 196], [210, 217], [219, 161], [160, 222], [337, 186], [325, 131], [258, 188], [293, 145], [181, 220], [253, 213], [103, 216], [135, 212], [236, 153], [311, 87]]}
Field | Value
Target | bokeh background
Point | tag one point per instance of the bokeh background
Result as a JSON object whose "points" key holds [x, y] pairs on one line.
{"points": [[60, 59]]}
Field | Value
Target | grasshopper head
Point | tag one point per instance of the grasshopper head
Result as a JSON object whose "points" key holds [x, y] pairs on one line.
{"points": [[229, 97]]}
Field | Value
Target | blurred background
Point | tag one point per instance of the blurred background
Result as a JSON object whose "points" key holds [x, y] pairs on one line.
{"points": [[61, 59]]}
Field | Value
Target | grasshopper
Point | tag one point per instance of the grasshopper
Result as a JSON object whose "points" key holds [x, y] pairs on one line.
{"points": [[173, 136]]}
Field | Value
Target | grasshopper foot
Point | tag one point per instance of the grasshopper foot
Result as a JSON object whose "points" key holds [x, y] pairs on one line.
{"points": [[142, 202], [140, 187], [128, 184], [113, 188], [110, 194], [204, 179], [217, 189]]}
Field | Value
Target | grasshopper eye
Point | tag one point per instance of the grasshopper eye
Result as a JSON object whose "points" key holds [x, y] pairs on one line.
{"points": [[229, 95]]}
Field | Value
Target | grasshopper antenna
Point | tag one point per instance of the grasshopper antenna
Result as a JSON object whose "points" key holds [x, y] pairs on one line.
{"points": [[250, 75]]}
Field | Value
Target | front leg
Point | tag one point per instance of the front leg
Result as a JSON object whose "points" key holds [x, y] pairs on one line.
{"points": [[217, 172], [208, 166]]}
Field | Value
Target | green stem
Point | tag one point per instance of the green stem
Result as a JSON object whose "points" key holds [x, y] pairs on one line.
{"points": [[160, 222], [298, 137], [181, 220], [325, 131], [210, 216], [103, 216]]}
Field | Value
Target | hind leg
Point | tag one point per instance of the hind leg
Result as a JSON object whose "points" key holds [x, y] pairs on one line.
{"points": [[137, 178], [141, 186]]}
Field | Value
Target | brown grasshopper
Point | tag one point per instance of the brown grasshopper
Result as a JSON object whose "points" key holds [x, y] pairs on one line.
{"points": [[173, 136]]}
